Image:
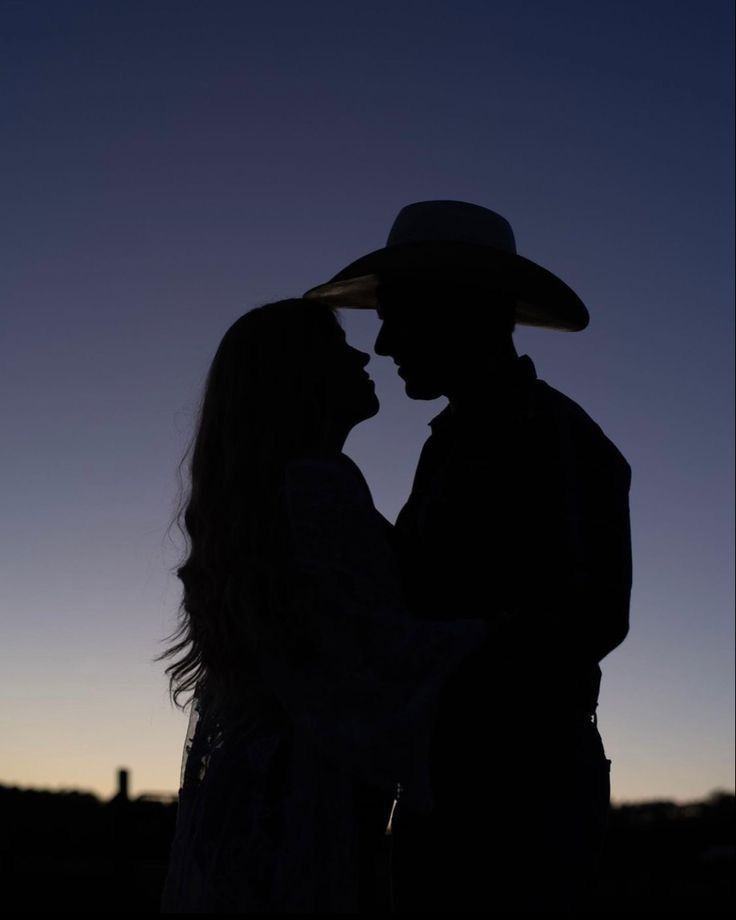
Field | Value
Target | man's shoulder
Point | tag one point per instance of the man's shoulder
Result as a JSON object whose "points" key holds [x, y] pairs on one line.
{"points": [[575, 425], [553, 403]]}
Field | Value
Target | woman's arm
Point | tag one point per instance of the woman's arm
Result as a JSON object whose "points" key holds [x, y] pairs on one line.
{"points": [[367, 690]]}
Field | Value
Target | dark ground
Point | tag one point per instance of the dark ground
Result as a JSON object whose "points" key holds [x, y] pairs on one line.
{"points": [[67, 852]]}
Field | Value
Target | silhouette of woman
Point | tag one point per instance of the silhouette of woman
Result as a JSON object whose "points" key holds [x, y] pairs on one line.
{"points": [[314, 690]]}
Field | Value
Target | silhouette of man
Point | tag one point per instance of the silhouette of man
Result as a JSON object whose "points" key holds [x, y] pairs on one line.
{"points": [[519, 513]]}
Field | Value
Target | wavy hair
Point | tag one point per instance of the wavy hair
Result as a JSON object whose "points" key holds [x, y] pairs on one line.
{"points": [[264, 403]]}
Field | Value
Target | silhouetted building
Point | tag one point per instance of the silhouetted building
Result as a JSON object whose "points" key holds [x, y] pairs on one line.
{"points": [[122, 793]]}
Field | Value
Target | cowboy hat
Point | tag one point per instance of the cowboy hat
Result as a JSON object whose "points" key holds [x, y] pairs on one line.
{"points": [[469, 244]]}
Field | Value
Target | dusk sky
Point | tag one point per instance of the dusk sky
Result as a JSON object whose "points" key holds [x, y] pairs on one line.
{"points": [[166, 166]]}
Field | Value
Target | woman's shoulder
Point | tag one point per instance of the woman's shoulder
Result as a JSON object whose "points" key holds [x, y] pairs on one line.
{"points": [[325, 463], [329, 507], [327, 477]]}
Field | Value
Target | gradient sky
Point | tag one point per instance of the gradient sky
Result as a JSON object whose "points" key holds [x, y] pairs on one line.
{"points": [[165, 166]]}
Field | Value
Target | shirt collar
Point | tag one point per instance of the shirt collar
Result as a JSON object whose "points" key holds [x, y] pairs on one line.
{"points": [[523, 374]]}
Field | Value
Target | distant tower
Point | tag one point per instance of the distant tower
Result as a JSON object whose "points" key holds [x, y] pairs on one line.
{"points": [[122, 794]]}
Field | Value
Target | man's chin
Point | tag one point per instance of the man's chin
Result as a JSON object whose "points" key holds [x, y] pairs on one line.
{"points": [[416, 389]]}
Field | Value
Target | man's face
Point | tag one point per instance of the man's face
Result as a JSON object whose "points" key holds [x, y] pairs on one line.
{"points": [[443, 336], [414, 332]]}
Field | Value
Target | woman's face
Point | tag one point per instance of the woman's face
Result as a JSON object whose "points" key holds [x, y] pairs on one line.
{"points": [[350, 391]]}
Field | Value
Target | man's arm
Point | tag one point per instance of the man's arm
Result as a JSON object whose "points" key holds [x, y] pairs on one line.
{"points": [[573, 543]]}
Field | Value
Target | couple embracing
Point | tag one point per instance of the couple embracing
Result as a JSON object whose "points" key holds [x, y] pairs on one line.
{"points": [[398, 718]]}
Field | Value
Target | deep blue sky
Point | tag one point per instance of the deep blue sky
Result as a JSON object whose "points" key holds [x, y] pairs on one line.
{"points": [[165, 166]]}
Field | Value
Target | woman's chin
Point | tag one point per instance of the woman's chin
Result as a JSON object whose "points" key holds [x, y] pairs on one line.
{"points": [[373, 406], [368, 408]]}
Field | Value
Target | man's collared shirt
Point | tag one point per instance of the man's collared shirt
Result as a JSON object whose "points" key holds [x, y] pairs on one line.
{"points": [[519, 513]]}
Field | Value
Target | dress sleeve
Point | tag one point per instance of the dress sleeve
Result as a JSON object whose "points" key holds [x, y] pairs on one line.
{"points": [[368, 689]]}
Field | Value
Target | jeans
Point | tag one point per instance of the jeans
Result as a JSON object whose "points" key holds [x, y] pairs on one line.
{"points": [[519, 830]]}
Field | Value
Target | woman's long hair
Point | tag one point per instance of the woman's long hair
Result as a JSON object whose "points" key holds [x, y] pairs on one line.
{"points": [[265, 402]]}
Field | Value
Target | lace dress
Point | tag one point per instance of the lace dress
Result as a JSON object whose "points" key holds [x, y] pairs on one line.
{"points": [[272, 807]]}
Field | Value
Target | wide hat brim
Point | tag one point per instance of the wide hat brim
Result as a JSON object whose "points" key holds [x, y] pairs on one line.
{"points": [[542, 299]]}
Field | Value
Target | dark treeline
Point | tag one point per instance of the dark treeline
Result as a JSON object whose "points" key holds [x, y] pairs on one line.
{"points": [[660, 856], [70, 851]]}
